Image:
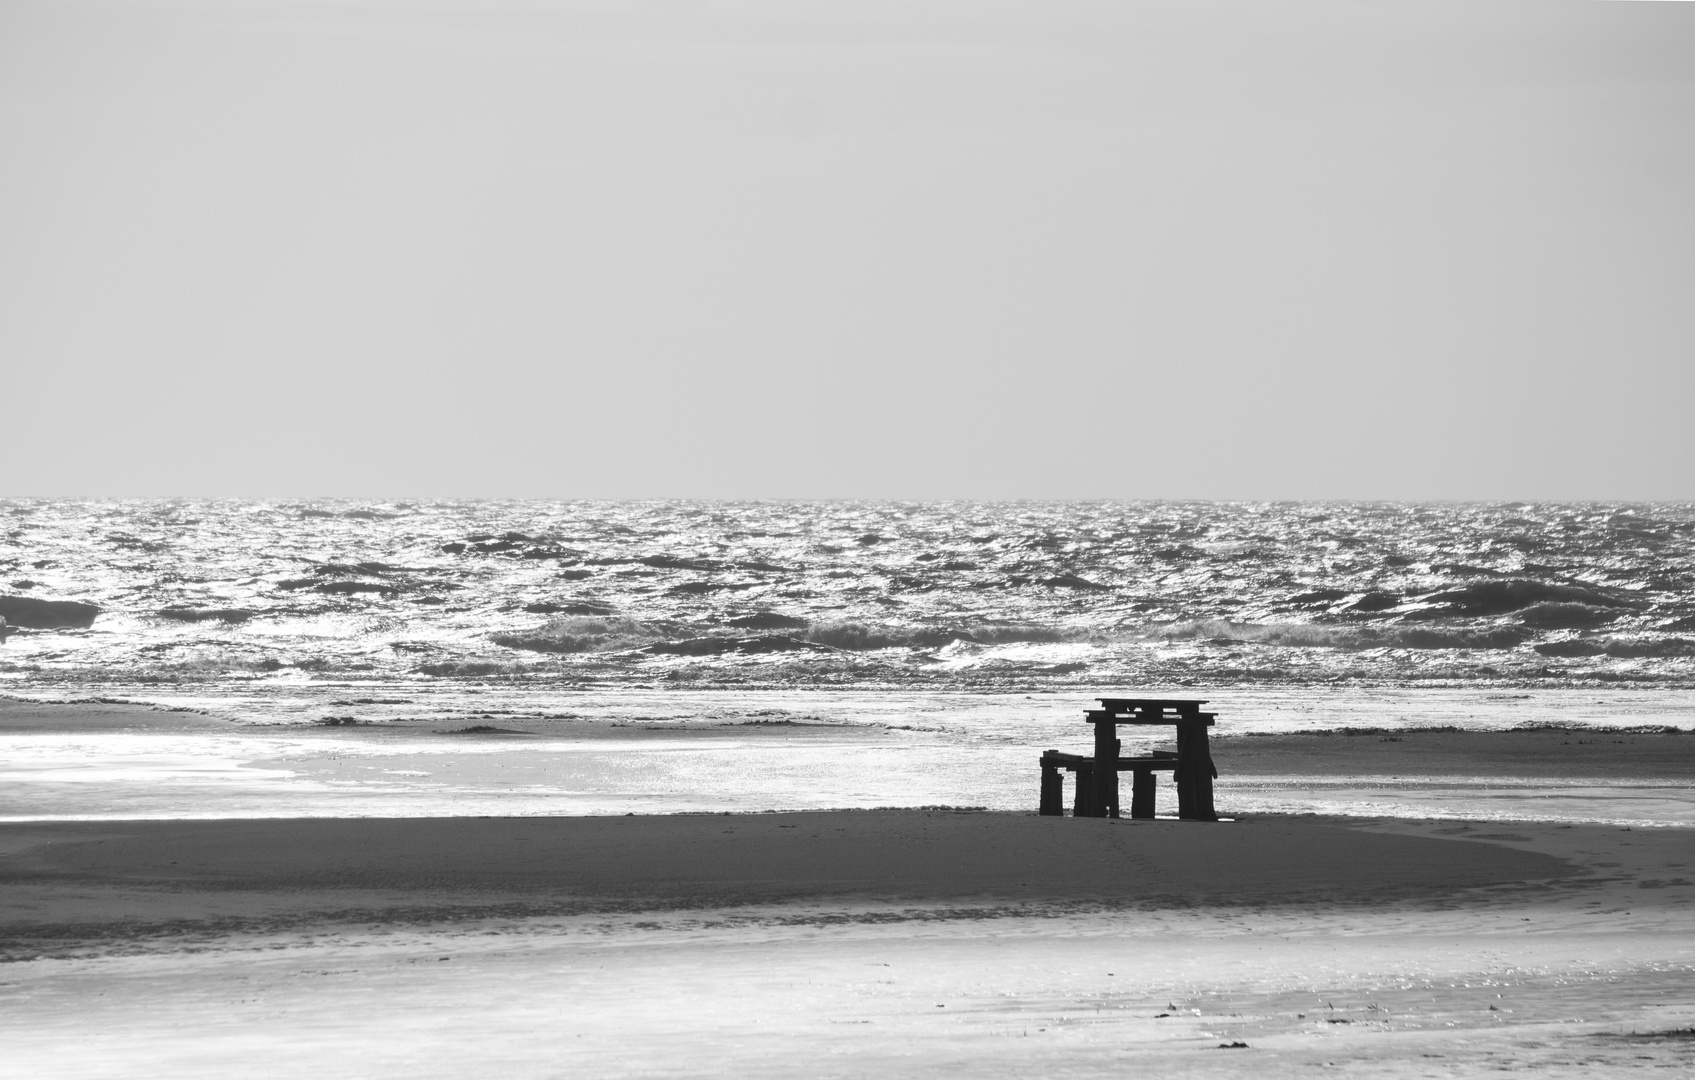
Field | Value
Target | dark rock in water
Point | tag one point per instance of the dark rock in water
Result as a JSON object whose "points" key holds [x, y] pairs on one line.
{"points": [[868, 539], [957, 565], [453, 548], [33, 614], [1573, 648], [1072, 581], [575, 575], [1557, 616], [228, 615], [767, 620], [291, 584], [26, 584]]}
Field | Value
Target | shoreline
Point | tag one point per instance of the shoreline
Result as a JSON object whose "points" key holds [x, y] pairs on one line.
{"points": [[105, 761]]}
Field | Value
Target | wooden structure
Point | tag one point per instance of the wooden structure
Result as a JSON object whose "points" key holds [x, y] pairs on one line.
{"points": [[1097, 776]]}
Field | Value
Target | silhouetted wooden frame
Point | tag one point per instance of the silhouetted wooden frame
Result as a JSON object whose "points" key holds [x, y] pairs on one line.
{"points": [[1097, 776]]}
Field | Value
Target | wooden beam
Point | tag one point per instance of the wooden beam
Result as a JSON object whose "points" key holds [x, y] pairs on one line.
{"points": [[1195, 774], [1163, 760], [1142, 794], [1180, 705], [1104, 788], [1098, 716], [1053, 790]]}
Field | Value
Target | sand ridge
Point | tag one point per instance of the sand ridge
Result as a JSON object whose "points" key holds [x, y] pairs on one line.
{"points": [[90, 886]]}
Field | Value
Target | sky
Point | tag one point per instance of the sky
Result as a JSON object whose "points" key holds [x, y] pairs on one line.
{"points": [[918, 249]]}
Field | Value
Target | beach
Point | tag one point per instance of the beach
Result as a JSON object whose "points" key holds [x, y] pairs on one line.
{"points": [[907, 942], [903, 941], [571, 540]]}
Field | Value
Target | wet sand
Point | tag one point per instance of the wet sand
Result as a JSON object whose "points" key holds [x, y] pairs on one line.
{"points": [[902, 942], [91, 887]]}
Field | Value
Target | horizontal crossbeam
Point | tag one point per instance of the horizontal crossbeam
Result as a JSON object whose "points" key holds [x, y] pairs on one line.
{"points": [[1073, 762], [1116, 704], [1102, 716]]}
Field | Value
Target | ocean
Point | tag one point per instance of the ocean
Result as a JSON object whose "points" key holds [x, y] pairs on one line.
{"points": [[853, 595], [606, 657]]}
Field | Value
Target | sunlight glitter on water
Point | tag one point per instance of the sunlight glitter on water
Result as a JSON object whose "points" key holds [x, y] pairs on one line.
{"points": [[994, 597]]}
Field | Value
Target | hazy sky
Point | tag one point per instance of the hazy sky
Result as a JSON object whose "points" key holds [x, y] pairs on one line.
{"points": [[910, 249]]}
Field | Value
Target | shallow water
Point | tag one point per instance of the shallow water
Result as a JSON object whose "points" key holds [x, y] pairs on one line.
{"points": [[632, 751]]}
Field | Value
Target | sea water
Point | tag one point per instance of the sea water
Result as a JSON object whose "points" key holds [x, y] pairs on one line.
{"points": [[665, 656]]}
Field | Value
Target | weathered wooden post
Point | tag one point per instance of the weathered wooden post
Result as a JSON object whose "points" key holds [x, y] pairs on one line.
{"points": [[1195, 771], [1053, 788], [1104, 796], [1142, 794], [1082, 801]]}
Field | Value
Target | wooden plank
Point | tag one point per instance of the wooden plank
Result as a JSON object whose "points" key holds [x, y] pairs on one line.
{"points": [[1162, 760], [1137, 704], [1095, 716]]}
